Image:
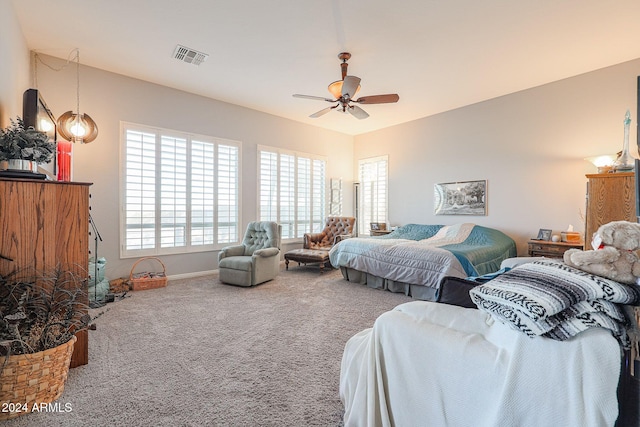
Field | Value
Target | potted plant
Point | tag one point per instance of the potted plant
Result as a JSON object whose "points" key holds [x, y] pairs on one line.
{"points": [[39, 316], [22, 148]]}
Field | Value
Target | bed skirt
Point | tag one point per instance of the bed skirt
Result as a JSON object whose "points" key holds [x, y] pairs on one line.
{"points": [[419, 292]]}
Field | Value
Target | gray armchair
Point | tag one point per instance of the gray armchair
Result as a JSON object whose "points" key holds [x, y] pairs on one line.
{"points": [[256, 260]]}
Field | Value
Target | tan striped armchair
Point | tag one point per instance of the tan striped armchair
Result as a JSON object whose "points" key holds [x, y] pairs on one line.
{"points": [[336, 228]]}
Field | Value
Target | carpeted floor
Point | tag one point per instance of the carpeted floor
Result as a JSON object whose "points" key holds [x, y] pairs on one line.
{"points": [[200, 353]]}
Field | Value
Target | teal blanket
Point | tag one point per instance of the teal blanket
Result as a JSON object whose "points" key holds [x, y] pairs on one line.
{"points": [[483, 251]]}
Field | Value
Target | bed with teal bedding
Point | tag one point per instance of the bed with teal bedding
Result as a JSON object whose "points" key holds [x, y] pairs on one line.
{"points": [[414, 258]]}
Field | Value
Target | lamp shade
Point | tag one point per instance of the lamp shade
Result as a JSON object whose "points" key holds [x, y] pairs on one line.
{"points": [[603, 162], [77, 129], [336, 89]]}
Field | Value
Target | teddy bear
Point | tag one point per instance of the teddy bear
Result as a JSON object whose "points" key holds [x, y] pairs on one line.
{"points": [[614, 256]]}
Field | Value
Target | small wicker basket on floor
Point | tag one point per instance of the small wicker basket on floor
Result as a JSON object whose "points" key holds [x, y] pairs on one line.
{"points": [[146, 280], [33, 379]]}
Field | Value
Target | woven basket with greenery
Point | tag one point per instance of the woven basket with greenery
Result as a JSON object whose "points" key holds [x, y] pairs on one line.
{"points": [[39, 317], [29, 380]]}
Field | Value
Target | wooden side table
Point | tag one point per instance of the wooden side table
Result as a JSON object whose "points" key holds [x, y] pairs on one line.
{"points": [[551, 249], [379, 232]]}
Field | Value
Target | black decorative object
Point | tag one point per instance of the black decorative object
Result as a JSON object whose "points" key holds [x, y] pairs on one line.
{"points": [[95, 303]]}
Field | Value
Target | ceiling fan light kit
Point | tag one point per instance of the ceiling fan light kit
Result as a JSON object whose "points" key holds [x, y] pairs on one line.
{"points": [[336, 89], [344, 91]]}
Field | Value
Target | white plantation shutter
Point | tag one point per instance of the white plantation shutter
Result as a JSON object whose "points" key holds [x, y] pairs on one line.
{"points": [[228, 186], [287, 195], [181, 193], [140, 190], [292, 190], [268, 176], [318, 202], [373, 174], [202, 193], [173, 192], [303, 197]]}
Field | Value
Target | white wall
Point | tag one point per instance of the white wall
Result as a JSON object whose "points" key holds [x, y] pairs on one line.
{"points": [[529, 146], [110, 98], [14, 64]]}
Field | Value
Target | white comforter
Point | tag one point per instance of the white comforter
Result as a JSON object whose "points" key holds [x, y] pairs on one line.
{"points": [[430, 364]]}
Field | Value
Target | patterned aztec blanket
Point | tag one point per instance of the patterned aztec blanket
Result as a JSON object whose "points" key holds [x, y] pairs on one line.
{"points": [[551, 299]]}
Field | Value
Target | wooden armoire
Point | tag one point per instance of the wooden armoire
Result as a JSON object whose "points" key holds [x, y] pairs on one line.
{"points": [[610, 197], [44, 224]]}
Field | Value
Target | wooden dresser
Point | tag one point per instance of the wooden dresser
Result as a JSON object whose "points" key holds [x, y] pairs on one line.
{"points": [[610, 197], [44, 224]]}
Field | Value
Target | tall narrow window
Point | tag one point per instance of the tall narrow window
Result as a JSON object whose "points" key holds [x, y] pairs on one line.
{"points": [[373, 175], [292, 190], [181, 192]]}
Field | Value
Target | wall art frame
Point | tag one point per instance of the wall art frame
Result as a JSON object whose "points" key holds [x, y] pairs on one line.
{"points": [[461, 198], [335, 202]]}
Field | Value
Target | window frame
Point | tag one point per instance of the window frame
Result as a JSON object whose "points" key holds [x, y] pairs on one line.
{"points": [[190, 137], [316, 218]]}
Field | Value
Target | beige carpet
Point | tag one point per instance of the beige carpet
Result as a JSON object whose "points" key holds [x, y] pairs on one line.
{"points": [[200, 353]]}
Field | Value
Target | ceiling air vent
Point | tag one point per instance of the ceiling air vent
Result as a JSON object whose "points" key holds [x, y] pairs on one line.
{"points": [[189, 55]]}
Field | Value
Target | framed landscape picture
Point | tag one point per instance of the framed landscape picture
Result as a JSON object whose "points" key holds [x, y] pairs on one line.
{"points": [[461, 198]]}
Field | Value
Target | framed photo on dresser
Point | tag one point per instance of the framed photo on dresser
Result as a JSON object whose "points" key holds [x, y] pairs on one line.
{"points": [[544, 234]]}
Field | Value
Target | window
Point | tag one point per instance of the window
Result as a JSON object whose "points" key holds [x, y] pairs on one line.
{"points": [[373, 192], [181, 192], [291, 190]]}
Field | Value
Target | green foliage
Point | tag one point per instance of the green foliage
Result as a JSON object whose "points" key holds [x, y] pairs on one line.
{"points": [[41, 312], [18, 142]]}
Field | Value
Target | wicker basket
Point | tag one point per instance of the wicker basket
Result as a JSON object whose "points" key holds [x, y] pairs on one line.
{"points": [[147, 280], [32, 379]]}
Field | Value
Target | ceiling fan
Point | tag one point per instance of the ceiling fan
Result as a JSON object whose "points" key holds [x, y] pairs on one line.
{"points": [[343, 92]]}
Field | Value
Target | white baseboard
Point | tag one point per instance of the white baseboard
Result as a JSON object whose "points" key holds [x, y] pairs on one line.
{"points": [[191, 275]]}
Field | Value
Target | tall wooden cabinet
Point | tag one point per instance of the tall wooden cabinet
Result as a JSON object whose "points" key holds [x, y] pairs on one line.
{"points": [[610, 197], [44, 224]]}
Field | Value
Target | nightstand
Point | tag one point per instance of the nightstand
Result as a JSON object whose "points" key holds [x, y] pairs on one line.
{"points": [[379, 232], [551, 249]]}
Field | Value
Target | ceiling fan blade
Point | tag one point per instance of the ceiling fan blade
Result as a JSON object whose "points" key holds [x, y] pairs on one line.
{"points": [[378, 99], [319, 98], [322, 112], [357, 112], [349, 86]]}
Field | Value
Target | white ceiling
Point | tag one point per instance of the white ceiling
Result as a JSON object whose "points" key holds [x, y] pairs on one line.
{"points": [[436, 54]]}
